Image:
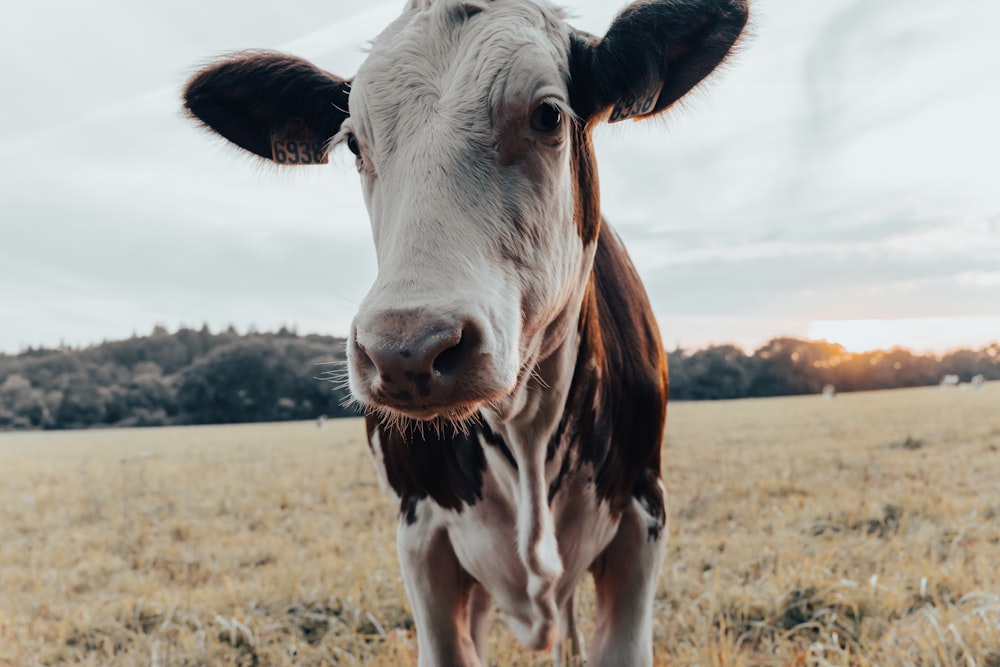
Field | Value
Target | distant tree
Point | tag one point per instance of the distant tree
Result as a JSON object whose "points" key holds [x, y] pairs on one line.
{"points": [[895, 368], [787, 366], [963, 363], [52, 369], [240, 382], [678, 371], [145, 399], [989, 361], [713, 373], [82, 405], [255, 379], [22, 405]]}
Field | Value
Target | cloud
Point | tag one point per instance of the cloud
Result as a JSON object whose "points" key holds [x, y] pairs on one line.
{"points": [[980, 279]]}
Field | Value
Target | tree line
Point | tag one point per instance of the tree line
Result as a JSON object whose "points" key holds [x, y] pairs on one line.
{"points": [[789, 366], [200, 377], [186, 377]]}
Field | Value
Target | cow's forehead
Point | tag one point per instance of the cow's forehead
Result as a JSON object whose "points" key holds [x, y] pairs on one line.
{"points": [[433, 30], [450, 57]]}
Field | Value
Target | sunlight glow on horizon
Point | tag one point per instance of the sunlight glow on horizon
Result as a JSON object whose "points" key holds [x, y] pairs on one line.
{"points": [[927, 334]]}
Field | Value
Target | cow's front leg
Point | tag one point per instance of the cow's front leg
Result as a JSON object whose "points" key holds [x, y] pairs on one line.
{"points": [[439, 592], [480, 605], [625, 577], [569, 649]]}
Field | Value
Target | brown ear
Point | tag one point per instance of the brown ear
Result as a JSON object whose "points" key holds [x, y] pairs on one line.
{"points": [[278, 106], [654, 53]]}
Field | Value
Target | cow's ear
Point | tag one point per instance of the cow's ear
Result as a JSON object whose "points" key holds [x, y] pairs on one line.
{"points": [[654, 52], [277, 106]]}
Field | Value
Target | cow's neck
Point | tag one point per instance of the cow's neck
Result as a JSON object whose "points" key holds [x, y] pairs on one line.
{"points": [[532, 416], [528, 434]]}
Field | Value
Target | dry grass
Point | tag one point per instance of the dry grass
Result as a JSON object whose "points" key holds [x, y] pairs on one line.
{"points": [[862, 531]]}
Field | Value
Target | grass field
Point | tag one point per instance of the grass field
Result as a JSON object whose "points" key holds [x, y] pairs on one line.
{"points": [[859, 531]]}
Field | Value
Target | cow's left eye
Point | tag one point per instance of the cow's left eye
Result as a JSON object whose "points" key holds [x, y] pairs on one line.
{"points": [[547, 117], [352, 145]]}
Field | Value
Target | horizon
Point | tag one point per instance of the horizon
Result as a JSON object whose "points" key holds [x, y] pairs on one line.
{"points": [[296, 330]]}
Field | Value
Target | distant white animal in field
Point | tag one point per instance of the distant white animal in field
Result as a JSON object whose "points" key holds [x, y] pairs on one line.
{"points": [[507, 355], [321, 422], [978, 382], [829, 392], [949, 381]]}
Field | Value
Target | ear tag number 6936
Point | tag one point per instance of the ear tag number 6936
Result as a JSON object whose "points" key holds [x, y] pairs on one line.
{"points": [[635, 107]]}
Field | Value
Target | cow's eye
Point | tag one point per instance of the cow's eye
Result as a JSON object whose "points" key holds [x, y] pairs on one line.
{"points": [[547, 117], [352, 145]]}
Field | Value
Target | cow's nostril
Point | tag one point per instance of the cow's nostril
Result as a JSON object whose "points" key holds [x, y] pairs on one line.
{"points": [[364, 361], [453, 361], [450, 360]]}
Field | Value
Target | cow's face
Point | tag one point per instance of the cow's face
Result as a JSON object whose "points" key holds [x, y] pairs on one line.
{"points": [[470, 125], [461, 127]]}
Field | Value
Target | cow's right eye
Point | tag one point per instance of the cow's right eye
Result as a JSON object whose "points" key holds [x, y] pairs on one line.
{"points": [[546, 118], [352, 145]]}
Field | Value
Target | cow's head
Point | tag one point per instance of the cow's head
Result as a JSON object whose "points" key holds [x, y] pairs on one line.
{"points": [[470, 123]]}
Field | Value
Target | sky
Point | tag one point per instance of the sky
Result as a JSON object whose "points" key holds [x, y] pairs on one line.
{"points": [[839, 179]]}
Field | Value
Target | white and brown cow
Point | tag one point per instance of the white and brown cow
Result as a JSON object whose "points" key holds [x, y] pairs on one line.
{"points": [[506, 356]]}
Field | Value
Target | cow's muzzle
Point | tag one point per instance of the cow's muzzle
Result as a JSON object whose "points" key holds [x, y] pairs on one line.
{"points": [[422, 365]]}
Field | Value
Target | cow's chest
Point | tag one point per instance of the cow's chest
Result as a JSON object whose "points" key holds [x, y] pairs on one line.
{"points": [[484, 535]]}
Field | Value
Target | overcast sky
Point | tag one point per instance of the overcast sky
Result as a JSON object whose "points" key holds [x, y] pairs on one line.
{"points": [[840, 179]]}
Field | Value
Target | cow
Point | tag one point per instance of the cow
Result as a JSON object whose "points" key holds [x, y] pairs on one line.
{"points": [[949, 381], [506, 356]]}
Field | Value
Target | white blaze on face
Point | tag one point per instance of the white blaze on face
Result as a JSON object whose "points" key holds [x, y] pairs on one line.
{"points": [[470, 202]]}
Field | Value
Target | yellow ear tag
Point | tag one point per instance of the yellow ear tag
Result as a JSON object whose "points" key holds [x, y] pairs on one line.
{"points": [[636, 107], [296, 144]]}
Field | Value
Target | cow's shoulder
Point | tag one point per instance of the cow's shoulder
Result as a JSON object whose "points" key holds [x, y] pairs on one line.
{"points": [[617, 405]]}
